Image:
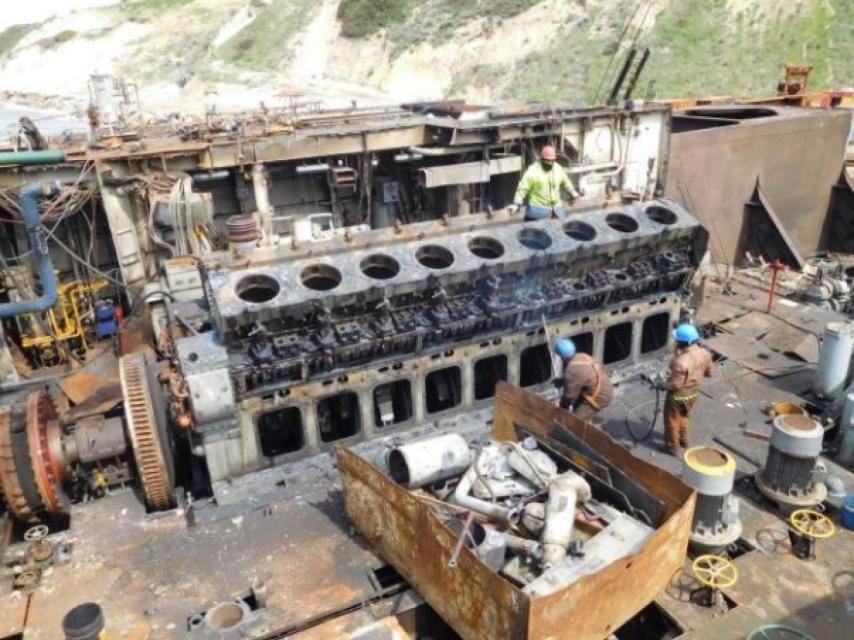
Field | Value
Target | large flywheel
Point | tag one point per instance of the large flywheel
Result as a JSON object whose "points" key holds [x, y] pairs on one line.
{"points": [[144, 430]]}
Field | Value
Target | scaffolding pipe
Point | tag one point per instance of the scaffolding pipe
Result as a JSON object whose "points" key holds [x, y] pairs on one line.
{"points": [[38, 245]]}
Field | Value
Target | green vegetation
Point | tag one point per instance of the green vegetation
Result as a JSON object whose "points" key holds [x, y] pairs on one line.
{"points": [[11, 36], [262, 44], [181, 54], [55, 40], [364, 18], [143, 10], [698, 48], [411, 22], [568, 69]]}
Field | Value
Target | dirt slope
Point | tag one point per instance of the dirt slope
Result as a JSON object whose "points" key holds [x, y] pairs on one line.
{"points": [[234, 53]]}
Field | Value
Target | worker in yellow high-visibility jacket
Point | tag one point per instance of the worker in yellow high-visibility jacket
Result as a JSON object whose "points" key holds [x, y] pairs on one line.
{"points": [[540, 188]]}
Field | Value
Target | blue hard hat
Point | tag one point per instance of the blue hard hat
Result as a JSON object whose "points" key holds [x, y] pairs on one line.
{"points": [[565, 348], [686, 333]]}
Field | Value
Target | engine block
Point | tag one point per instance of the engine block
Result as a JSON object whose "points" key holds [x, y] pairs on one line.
{"points": [[304, 333], [388, 297]]}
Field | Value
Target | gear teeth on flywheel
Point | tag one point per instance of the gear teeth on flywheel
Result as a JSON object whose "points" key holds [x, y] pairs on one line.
{"points": [[142, 428]]}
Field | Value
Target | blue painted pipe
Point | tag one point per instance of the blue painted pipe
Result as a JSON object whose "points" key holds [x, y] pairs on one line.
{"points": [[38, 244]]}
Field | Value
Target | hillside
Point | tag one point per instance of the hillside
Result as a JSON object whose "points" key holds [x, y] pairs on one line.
{"points": [[234, 53]]}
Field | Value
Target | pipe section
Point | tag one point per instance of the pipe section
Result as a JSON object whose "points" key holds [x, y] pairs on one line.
{"points": [[29, 158], [38, 245], [463, 497], [424, 462], [837, 347], [565, 491]]}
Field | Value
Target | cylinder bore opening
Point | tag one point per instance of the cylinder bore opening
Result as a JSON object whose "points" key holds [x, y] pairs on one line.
{"points": [[257, 288], [397, 467], [486, 247], [380, 266], [622, 223], [433, 256], [320, 277], [224, 616], [578, 230], [798, 423], [710, 457], [535, 239], [661, 215]]}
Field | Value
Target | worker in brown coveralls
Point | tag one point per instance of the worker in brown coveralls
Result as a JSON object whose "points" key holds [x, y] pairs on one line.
{"points": [[690, 364], [587, 389]]}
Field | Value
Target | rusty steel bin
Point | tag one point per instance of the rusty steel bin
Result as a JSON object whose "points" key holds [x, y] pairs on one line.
{"points": [[478, 602]]}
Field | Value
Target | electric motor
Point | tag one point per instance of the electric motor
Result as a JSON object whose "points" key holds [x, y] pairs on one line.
{"points": [[789, 475], [711, 473]]}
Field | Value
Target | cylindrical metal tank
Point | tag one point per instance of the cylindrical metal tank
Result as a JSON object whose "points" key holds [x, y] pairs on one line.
{"points": [[788, 477], [711, 473], [846, 429], [427, 461], [837, 346]]}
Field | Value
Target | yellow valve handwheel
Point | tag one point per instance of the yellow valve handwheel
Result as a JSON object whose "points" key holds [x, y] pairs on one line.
{"points": [[812, 523], [714, 571]]}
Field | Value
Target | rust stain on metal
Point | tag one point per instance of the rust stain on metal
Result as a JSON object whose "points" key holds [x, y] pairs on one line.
{"points": [[479, 603], [78, 387]]}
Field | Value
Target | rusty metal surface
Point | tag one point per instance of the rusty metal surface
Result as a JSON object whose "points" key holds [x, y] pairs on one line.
{"points": [[479, 603], [145, 435], [752, 354], [714, 171], [100, 400], [598, 604], [150, 573], [13, 494], [42, 437], [474, 600], [80, 386]]}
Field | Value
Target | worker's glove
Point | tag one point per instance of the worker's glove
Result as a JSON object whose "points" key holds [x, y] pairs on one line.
{"points": [[513, 208], [574, 195]]}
